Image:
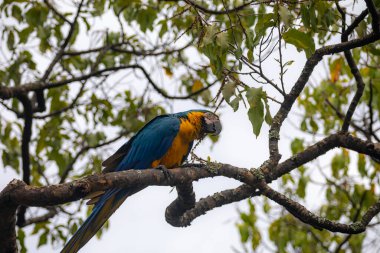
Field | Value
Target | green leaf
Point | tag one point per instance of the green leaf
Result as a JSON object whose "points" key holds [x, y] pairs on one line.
{"points": [[301, 189], [361, 165], [313, 125], [297, 146], [11, 40], [24, 34], [250, 55], [208, 38], [21, 240], [43, 238], [256, 110], [164, 29], [285, 14], [244, 232], [235, 103], [238, 53], [268, 116], [16, 13], [263, 23], [228, 91], [248, 16], [338, 163], [305, 15], [301, 40], [88, 26], [222, 40], [250, 42], [256, 238], [36, 16], [266, 206]]}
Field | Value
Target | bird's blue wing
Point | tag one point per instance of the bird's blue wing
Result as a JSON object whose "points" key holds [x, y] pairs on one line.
{"points": [[155, 139], [151, 143]]}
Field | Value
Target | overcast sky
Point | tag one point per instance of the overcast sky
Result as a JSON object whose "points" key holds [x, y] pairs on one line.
{"points": [[139, 224]]}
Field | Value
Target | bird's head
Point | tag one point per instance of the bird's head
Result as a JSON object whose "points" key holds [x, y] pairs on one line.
{"points": [[205, 122], [211, 123]]}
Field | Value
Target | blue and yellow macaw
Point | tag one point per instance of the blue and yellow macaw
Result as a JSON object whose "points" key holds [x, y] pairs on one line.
{"points": [[164, 141]]}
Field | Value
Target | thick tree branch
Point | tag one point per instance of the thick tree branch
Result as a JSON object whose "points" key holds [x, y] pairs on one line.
{"points": [[8, 228], [9, 92], [183, 219], [63, 193], [26, 136], [18, 193], [374, 14], [274, 132], [320, 148], [355, 72], [117, 48], [184, 202], [300, 212], [40, 101]]}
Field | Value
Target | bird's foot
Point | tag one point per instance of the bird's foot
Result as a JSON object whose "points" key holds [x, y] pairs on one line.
{"points": [[165, 170]]}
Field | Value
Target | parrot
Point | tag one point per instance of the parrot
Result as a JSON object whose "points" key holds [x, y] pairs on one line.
{"points": [[164, 143]]}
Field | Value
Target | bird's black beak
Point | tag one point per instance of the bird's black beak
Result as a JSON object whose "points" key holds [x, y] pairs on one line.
{"points": [[215, 128], [212, 125]]}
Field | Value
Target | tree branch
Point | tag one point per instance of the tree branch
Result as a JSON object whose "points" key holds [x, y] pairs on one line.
{"points": [[320, 148], [353, 124], [274, 131], [56, 12], [83, 150], [183, 219], [9, 92], [62, 48], [374, 14], [355, 23], [25, 155], [300, 212], [355, 72], [45, 217], [184, 202], [116, 48], [216, 12], [18, 193]]}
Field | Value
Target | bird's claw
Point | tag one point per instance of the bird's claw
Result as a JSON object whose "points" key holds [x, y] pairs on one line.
{"points": [[165, 170]]}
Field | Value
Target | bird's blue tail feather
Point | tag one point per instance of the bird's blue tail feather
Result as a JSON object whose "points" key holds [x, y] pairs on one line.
{"points": [[103, 209]]}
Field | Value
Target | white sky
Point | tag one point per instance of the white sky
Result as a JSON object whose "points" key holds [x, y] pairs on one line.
{"points": [[139, 225]]}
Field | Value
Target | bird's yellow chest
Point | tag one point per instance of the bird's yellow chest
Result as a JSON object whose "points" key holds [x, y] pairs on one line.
{"points": [[180, 146]]}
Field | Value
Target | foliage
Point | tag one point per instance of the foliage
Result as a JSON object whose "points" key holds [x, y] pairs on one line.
{"points": [[78, 94]]}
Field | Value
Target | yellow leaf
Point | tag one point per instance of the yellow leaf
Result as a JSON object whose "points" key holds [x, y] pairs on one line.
{"points": [[335, 69], [377, 166], [168, 72], [365, 71], [345, 152], [197, 85]]}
